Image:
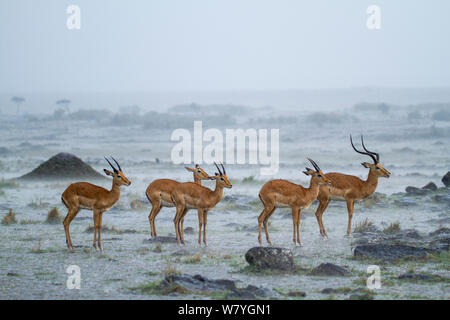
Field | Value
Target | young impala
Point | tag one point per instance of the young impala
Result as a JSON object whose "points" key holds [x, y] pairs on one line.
{"points": [[84, 195], [160, 192], [190, 195], [282, 193], [350, 188]]}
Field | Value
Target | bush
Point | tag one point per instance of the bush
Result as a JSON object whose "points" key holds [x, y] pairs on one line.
{"points": [[53, 216], [10, 218]]}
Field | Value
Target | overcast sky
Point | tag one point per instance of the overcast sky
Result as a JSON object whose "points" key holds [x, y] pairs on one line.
{"points": [[222, 45]]}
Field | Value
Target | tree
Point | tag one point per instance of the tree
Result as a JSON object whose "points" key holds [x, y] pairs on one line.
{"points": [[18, 101], [64, 103]]}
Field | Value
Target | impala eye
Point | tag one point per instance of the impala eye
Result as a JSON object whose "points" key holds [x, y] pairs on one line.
{"points": [[199, 171], [119, 176], [378, 168], [319, 175], [222, 179]]}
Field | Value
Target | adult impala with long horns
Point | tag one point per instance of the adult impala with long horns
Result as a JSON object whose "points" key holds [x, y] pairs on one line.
{"points": [[285, 194], [350, 188], [191, 195], [84, 195], [159, 192]]}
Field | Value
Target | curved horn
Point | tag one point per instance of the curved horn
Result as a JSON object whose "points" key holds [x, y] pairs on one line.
{"points": [[314, 164], [220, 172], [115, 170], [371, 152], [118, 165], [365, 153], [223, 168]]}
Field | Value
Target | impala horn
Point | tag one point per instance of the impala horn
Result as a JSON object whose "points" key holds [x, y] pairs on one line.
{"points": [[314, 164], [115, 170], [365, 153], [371, 152], [118, 165], [220, 172]]}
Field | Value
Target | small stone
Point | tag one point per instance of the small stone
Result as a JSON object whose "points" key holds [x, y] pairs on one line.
{"points": [[270, 258], [296, 293]]}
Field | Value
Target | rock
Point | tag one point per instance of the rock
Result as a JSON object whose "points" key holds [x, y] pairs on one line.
{"points": [[446, 179], [181, 252], [250, 292], [329, 269], [440, 231], [63, 166], [430, 186], [296, 293], [138, 204], [197, 283], [329, 291], [415, 191], [361, 296], [416, 276], [389, 252], [442, 198], [162, 239], [270, 258], [189, 230]]}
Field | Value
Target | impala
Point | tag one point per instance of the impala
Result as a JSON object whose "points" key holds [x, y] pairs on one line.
{"points": [[160, 193], [191, 195], [282, 194], [350, 188], [84, 195]]}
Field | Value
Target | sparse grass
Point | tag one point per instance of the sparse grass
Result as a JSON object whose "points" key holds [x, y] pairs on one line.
{"points": [[29, 221], [158, 247], [193, 259], [53, 216], [363, 225], [394, 227], [442, 257], [38, 204], [8, 184], [169, 269], [9, 218], [105, 228]]}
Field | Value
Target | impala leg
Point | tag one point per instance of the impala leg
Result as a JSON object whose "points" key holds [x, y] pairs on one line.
{"points": [[100, 231], [67, 220], [205, 220], [299, 215], [200, 224], [294, 222], [176, 220], [266, 224], [350, 207], [156, 207], [323, 204], [181, 225], [96, 218]]}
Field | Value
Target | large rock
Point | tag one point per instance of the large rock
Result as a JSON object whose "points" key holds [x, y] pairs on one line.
{"points": [[389, 252], [270, 258], [197, 283], [63, 166], [430, 186], [415, 191], [329, 269], [446, 179]]}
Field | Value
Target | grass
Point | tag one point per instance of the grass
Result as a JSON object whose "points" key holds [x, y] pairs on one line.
{"points": [[8, 184], [170, 269], [363, 225], [9, 218], [105, 228], [193, 259], [29, 221], [53, 216], [394, 227]]}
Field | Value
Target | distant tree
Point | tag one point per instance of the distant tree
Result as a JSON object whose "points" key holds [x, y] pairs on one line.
{"points": [[18, 101], [65, 104]]}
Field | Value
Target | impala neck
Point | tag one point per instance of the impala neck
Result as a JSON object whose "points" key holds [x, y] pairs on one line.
{"points": [[313, 188], [197, 180], [218, 192], [371, 183], [114, 193]]}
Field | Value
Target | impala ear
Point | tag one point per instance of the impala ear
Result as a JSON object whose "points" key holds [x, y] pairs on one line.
{"points": [[189, 169], [366, 165], [217, 174], [108, 173], [306, 172]]}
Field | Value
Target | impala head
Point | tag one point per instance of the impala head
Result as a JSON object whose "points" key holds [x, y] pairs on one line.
{"points": [[221, 177], [198, 172], [374, 167], [117, 174], [317, 174]]}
